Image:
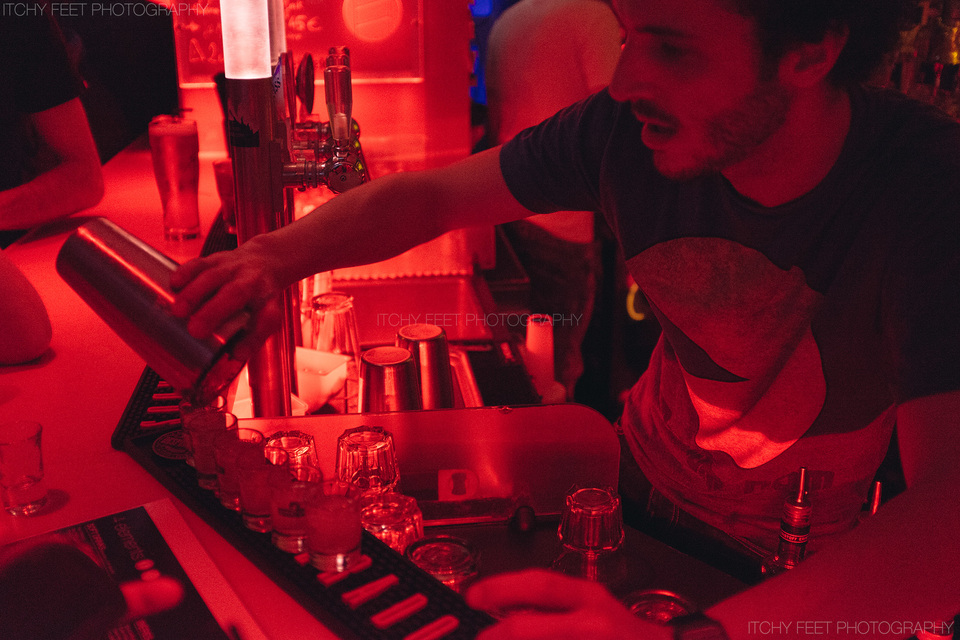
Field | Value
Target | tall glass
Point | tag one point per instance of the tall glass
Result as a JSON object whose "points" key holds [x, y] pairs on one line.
{"points": [[175, 150], [335, 331]]}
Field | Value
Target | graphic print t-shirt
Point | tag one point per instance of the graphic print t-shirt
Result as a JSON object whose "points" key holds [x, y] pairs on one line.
{"points": [[789, 333]]}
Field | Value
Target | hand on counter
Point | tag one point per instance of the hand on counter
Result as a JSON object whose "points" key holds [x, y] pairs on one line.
{"points": [[551, 605], [213, 289]]}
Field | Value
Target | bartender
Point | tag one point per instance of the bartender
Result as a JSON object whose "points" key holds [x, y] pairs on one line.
{"points": [[797, 236]]}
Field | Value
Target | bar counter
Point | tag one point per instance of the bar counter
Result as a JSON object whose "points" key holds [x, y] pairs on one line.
{"points": [[80, 389]]}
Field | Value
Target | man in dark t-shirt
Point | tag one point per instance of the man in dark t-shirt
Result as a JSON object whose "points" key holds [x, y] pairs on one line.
{"points": [[797, 236]]}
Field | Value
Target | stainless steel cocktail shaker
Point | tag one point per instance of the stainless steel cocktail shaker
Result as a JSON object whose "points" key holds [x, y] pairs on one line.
{"points": [[127, 283]]}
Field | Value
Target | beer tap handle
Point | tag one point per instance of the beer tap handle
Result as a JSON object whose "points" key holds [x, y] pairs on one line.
{"points": [[304, 83], [339, 94]]}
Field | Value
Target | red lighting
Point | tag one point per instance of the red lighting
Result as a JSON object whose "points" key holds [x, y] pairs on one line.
{"points": [[372, 20]]}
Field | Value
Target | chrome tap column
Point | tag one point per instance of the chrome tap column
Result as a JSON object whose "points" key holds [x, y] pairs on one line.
{"points": [[256, 144], [256, 139]]}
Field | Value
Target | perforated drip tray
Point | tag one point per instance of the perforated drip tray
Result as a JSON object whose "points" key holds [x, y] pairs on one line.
{"points": [[383, 596]]}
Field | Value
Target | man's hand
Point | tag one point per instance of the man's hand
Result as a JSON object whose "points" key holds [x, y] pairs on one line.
{"points": [[544, 604], [216, 288]]}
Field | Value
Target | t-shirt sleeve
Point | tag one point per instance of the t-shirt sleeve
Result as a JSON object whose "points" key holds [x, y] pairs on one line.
{"points": [[46, 77], [555, 165]]}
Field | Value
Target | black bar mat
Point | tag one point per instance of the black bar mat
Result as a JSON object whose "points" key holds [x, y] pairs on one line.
{"points": [[351, 605]]}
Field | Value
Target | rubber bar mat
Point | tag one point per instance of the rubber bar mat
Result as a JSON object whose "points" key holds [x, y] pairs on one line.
{"points": [[386, 596]]}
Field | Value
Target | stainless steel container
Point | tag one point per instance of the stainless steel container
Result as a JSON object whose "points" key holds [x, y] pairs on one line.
{"points": [[388, 381], [127, 283], [428, 344]]}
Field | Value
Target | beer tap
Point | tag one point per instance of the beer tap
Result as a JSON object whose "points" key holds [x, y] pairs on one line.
{"points": [[266, 145], [338, 161]]}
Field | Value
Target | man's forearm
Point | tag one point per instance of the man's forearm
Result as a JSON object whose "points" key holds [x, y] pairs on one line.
{"points": [[65, 189], [390, 215]]}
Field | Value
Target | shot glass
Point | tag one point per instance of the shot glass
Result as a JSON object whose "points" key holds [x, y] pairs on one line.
{"points": [[175, 150], [203, 426], [367, 457], [333, 525], [227, 446], [451, 560], [257, 472], [393, 517], [299, 446], [592, 521], [186, 407], [334, 328], [590, 533], [21, 468], [288, 502]]}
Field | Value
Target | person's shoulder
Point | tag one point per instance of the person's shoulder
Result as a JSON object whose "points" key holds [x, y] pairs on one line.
{"points": [[901, 118]]}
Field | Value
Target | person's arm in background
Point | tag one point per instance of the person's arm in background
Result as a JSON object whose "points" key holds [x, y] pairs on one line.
{"points": [[24, 325], [73, 181]]}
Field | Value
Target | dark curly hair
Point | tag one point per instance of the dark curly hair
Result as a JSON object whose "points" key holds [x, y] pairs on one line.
{"points": [[873, 28]]}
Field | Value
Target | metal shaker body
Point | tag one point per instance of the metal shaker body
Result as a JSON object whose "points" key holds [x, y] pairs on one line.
{"points": [[428, 345], [388, 381], [127, 283]]}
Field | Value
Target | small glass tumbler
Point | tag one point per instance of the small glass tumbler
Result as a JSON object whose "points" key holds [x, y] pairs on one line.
{"points": [[392, 517], [227, 446], [592, 521], [257, 471], [451, 560], [299, 446], [590, 533], [186, 407], [288, 506], [335, 331], [333, 525], [203, 426], [22, 489], [367, 458]]}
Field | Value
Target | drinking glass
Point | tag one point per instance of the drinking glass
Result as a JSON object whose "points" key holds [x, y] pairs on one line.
{"points": [[290, 494], [22, 489], [203, 426], [366, 457], [335, 331], [227, 446], [298, 445], [333, 525], [174, 148], [257, 471], [393, 517]]}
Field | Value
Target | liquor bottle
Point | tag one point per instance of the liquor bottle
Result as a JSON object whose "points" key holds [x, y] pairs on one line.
{"points": [[794, 531]]}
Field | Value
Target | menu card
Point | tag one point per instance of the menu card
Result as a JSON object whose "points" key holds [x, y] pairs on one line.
{"points": [[154, 540]]}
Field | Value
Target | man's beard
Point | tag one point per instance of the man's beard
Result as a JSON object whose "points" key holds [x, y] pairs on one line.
{"points": [[733, 134]]}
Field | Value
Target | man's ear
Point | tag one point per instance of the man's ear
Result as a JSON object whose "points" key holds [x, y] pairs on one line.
{"points": [[810, 62]]}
